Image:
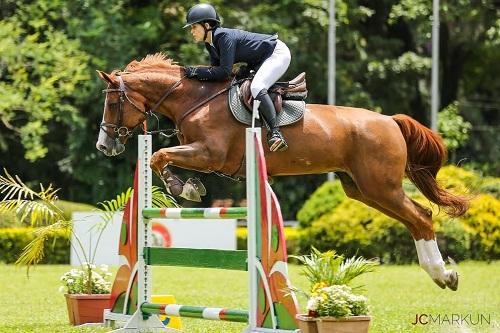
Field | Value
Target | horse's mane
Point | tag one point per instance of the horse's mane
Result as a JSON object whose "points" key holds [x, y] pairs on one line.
{"points": [[151, 62]]}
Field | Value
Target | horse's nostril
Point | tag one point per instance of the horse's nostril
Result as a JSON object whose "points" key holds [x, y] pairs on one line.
{"points": [[101, 147]]}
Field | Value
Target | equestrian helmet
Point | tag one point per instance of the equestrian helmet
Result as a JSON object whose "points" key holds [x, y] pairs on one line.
{"points": [[200, 13]]}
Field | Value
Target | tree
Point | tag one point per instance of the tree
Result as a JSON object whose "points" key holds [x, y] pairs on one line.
{"points": [[39, 72]]}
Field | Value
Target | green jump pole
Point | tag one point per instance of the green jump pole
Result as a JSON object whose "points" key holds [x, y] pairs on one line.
{"points": [[196, 213], [196, 312]]}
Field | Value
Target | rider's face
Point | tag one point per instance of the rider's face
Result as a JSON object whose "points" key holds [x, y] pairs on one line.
{"points": [[198, 32]]}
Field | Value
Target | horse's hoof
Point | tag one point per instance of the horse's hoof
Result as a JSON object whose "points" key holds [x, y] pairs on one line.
{"points": [[189, 192], [441, 285], [173, 187], [198, 185], [452, 281]]}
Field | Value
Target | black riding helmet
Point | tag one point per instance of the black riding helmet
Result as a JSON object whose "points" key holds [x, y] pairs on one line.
{"points": [[201, 13]]}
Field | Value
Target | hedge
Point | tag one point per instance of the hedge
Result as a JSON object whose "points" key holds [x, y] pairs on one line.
{"points": [[13, 241], [9, 220], [329, 220], [292, 236]]}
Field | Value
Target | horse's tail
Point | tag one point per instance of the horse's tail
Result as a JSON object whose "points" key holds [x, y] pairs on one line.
{"points": [[426, 155]]}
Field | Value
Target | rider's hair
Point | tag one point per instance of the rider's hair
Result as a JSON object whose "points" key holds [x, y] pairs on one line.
{"points": [[211, 23]]}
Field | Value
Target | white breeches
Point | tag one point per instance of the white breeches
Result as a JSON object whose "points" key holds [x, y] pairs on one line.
{"points": [[272, 68]]}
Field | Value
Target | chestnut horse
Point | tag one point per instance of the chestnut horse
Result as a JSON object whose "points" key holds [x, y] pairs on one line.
{"points": [[370, 152]]}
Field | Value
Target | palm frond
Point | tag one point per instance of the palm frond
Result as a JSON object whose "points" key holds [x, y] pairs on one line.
{"points": [[354, 267], [161, 199], [320, 267], [37, 212], [12, 187], [33, 253], [329, 268], [36, 207], [109, 207]]}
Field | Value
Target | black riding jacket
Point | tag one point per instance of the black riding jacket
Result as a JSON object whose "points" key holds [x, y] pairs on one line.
{"points": [[231, 46]]}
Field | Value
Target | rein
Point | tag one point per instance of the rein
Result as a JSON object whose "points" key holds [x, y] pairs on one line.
{"points": [[123, 131], [203, 102]]}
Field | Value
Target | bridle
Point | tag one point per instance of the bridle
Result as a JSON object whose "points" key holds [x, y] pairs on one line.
{"points": [[123, 131]]}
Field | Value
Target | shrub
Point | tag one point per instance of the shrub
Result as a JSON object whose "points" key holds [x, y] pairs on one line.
{"points": [[8, 220], [14, 240], [482, 222], [69, 207], [326, 198], [352, 228], [292, 236], [490, 185]]}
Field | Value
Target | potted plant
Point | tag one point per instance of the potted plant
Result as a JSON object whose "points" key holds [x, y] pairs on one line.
{"points": [[87, 292], [87, 289], [338, 309], [323, 270]]}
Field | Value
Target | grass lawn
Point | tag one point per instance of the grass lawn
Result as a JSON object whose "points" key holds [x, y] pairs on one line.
{"points": [[397, 294]]}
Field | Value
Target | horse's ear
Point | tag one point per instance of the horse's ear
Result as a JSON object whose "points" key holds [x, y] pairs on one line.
{"points": [[105, 77]]}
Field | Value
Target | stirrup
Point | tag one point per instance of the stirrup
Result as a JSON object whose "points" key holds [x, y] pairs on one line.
{"points": [[278, 145], [276, 142]]}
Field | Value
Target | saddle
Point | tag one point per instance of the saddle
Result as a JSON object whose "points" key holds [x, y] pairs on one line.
{"points": [[295, 90]]}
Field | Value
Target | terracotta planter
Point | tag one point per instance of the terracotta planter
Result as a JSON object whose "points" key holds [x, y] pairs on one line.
{"points": [[356, 324], [83, 308], [306, 323]]}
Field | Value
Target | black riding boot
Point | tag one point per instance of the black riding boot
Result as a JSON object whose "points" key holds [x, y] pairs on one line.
{"points": [[275, 139]]}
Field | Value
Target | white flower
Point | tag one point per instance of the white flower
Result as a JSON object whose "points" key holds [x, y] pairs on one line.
{"points": [[76, 280], [312, 304]]}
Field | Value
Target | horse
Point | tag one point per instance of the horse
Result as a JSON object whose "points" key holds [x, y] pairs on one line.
{"points": [[371, 153]]}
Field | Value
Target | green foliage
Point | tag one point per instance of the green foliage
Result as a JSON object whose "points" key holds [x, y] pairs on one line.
{"points": [[353, 228], [160, 199], [68, 208], [50, 49], [8, 220], [452, 127], [292, 236], [482, 222], [36, 207], [40, 70], [13, 241], [87, 280], [110, 207], [490, 185], [40, 209], [324, 269], [324, 199], [337, 301]]}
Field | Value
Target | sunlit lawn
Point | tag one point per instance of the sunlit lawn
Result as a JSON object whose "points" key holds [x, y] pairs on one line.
{"points": [[397, 294]]}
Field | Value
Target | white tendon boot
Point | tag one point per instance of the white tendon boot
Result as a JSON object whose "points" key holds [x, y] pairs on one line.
{"points": [[431, 261]]}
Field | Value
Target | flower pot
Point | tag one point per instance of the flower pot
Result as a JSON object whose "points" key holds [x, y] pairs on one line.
{"points": [[306, 323], [355, 324], [83, 308]]}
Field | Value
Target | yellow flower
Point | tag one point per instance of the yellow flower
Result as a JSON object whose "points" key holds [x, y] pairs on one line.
{"points": [[318, 286]]}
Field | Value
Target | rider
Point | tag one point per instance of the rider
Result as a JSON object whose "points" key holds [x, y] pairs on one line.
{"points": [[266, 54]]}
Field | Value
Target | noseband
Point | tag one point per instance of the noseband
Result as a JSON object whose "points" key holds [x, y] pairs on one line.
{"points": [[123, 131]]}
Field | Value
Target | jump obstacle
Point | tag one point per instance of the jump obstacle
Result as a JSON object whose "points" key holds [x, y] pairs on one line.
{"points": [[271, 307]]}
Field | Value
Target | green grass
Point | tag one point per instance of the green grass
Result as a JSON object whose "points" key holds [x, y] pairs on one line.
{"points": [[396, 293]]}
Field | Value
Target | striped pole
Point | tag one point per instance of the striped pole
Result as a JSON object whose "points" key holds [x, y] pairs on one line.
{"points": [[196, 312], [196, 213]]}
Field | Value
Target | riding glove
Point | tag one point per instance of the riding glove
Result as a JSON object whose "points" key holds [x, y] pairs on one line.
{"points": [[190, 71]]}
